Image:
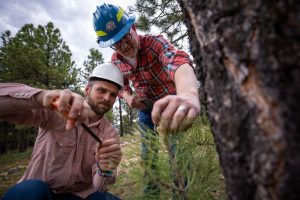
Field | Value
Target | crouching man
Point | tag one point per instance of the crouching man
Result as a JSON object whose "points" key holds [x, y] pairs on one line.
{"points": [[67, 162]]}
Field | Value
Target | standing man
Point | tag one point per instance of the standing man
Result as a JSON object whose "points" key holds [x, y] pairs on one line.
{"points": [[160, 74], [67, 163]]}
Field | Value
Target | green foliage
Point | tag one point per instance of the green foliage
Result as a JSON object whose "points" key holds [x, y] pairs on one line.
{"points": [[12, 167], [37, 56], [13, 156], [110, 115], [129, 115], [129, 180], [128, 118], [95, 58], [166, 15], [195, 162], [15, 137], [206, 180], [6, 129]]}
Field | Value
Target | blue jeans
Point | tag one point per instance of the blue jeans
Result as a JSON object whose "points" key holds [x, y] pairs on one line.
{"points": [[38, 190]]}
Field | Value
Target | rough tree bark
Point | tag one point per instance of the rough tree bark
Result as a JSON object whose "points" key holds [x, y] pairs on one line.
{"points": [[247, 55]]}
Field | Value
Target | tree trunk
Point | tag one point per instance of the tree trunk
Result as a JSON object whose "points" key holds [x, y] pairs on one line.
{"points": [[3, 137], [121, 118], [6, 129], [23, 133], [130, 117], [247, 57]]}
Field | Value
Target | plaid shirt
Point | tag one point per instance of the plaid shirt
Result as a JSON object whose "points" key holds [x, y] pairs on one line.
{"points": [[157, 61]]}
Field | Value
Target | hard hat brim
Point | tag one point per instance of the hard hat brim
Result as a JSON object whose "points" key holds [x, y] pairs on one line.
{"points": [[119, 35]]}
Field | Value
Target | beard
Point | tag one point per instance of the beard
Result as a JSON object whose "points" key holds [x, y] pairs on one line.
{"points": [[130, 55], [96, 106]]}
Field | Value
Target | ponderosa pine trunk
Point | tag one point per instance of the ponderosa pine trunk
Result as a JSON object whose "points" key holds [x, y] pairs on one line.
{"points": [[247, 56]]}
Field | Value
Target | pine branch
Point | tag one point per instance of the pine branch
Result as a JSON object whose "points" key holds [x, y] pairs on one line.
{"points": [[179, 179]]}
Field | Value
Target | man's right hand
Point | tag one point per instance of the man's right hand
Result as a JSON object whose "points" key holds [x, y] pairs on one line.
{"points": [[133, 101], [68, 103]]}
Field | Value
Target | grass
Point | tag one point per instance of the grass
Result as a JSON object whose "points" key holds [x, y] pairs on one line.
{"points": [[129, 182], [12, 166], [205, 177]]}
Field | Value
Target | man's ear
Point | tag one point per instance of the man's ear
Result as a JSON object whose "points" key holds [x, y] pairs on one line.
{"points": [[87, 90]]}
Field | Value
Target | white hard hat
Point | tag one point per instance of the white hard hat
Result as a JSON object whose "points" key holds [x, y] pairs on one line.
{"points": [[110, 72]]}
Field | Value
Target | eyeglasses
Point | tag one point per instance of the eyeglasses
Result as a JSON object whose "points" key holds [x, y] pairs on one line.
{"points": [[118, 45]]}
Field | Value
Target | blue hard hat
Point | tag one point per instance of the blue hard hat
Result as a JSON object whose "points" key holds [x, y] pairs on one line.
{"points": [[111, 24]]}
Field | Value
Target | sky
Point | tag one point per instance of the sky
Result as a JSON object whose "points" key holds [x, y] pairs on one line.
{"points": [[74, 19]]}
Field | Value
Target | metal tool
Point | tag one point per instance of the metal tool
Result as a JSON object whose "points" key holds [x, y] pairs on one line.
{"points": [[85, 127]]}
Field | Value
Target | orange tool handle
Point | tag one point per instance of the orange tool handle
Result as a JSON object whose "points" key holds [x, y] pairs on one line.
{"points": [[66, 114]]}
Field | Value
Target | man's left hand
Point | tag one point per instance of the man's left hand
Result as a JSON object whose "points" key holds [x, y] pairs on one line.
{"points": [[175, 113], [108, 155]]}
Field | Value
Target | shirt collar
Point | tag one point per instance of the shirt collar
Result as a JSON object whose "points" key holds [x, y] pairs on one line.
{"points": [[96, 123]]}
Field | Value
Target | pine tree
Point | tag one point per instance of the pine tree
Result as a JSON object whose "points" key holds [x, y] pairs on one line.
{"points": [[188, 171], [39, 57], [36, 56], [164, 15], [94, 58]]}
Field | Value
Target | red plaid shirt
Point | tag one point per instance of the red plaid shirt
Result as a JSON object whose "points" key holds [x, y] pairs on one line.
{"points": [[157, 62]]}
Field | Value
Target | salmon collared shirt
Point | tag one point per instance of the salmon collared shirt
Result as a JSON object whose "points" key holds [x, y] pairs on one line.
{"points": [[65, 160]]}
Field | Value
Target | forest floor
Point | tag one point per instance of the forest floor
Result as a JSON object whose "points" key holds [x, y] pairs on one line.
{"points": [[130, 173]]}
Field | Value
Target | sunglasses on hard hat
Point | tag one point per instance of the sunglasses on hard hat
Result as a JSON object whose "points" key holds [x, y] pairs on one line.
{"points": [[127, 38]]}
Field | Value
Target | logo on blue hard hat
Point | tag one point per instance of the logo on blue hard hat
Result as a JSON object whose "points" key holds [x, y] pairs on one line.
{"points": [[110, 26]]}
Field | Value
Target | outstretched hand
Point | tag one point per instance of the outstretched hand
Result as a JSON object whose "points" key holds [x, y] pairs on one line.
{"points": [[175, 113], [68, 103]]}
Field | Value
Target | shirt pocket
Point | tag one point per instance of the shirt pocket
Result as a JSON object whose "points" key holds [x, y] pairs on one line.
{"points": [[64, 149]]}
